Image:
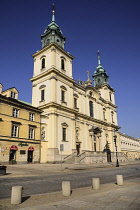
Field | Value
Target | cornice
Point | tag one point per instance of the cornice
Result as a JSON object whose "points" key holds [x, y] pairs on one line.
{"points": [[105, 85], [130, 137], [24, 140], [52, 45], [74, 111], [56, 71], [107, 102]]}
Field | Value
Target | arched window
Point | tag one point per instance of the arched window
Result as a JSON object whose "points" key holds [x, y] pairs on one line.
{"points": [[64, 131], [42, 92], [112, 116], [62, 64], [63, 91], [43, 63], [75, 101], [91, 108], [110, 96], [104, 115], [42, 95]]}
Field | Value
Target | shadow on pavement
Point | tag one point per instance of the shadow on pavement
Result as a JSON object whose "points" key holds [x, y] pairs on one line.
{"points": [[25, 198]]}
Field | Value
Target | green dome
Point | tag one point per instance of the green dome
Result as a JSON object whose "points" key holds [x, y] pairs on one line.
{"points": [[53, 34]]}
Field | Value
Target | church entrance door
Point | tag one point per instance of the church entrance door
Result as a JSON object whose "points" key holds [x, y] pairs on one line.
{"points": [[108, 155], [78, 149]]}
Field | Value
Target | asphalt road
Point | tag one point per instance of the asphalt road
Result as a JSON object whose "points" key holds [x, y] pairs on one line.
{"points": [[79, 178]]}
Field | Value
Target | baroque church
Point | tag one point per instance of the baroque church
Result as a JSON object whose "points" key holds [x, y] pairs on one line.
{"points": [[76, 118], [69, 121]]}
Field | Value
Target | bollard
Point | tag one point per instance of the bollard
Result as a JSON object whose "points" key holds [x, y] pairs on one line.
{"points": [[96, 183], [119, 179], [66, 188], [16, 195]]}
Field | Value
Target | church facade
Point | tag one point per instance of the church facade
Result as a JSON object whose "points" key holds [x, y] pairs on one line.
{"points": [[77, 118], [69, 121]]}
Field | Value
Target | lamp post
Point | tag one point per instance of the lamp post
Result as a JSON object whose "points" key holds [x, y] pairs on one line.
{"points": [[117, 162]]}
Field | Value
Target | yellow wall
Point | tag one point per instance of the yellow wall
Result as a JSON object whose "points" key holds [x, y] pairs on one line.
{"points": [[6, 112]]}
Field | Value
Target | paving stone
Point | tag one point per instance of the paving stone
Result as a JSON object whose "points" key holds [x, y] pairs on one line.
{"points": [[92, 207], [134, 207], [77, 204], [119, 204]]}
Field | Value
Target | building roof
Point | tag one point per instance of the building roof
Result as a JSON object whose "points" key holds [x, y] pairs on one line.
{"points": [[18, 103]]}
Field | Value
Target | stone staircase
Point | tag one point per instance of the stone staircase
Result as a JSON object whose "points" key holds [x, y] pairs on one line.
{"points": [[70, 158], [92, 157]]}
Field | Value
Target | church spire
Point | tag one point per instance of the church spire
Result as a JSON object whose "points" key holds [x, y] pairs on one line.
{"points": [[53, 33], [98, 53], [53, 13]]}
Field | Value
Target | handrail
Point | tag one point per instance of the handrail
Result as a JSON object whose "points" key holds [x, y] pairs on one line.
{"points": [[69, 155]]}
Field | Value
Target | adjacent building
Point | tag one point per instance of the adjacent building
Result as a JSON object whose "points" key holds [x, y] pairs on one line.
{"points": [[130, 147], [19, 129]]}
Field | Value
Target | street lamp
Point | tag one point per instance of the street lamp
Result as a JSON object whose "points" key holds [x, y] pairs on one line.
{"points": [[117, 162]]}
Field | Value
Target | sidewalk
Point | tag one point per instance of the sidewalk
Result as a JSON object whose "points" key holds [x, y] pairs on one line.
{"points": [[110, 196], [25, 170]]}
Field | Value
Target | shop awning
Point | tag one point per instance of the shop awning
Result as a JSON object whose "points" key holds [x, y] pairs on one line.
{"points": [[13, 147], [31, 148]]}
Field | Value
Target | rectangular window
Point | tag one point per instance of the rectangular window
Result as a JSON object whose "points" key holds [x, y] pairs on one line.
{"points": [[31, 133], [13, 94], [15, 112], [42, 95], [112, 116], [15, 129], [31, 117], [91, 108], [75, 103], [64, 134], [62, 95], [22, 152]]}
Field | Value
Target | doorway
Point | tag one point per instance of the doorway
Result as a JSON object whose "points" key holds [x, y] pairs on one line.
{"points": [[108, 155], [30, 156], [78, 149], [12, 155]]}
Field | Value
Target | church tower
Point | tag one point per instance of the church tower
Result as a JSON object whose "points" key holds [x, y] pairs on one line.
{"points": [[49, 62], [100, 76], [51, 80]]}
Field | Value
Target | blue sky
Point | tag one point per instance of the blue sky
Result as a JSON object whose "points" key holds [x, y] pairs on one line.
{"points": [[111, 26]]}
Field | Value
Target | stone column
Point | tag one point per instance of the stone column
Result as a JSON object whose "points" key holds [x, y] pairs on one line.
{"points": [[97, 143], [73, 134], [53, 88], [53, 56], [53, 130], [71, 102], [52, 136]]}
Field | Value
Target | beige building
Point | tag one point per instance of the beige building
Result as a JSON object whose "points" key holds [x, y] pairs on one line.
{"points": [[78, 118], [73, 121], [130, 147], [19, 129]]}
